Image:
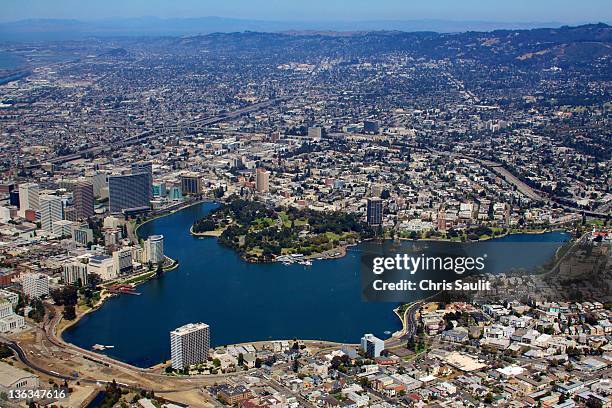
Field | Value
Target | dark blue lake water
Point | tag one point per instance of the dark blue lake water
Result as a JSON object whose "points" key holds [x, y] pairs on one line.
{"points": [[247, 302]]}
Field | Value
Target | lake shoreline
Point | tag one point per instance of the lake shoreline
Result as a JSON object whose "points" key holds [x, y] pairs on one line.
{"points": [[337, 339], [341, 250]]}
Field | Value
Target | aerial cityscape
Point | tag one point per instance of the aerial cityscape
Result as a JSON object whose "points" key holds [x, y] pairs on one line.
{"points": [[209, 212]]}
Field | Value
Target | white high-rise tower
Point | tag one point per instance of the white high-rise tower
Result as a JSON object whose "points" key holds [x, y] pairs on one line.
{"points": [[189, 345], [28, 197], [51, 210]]}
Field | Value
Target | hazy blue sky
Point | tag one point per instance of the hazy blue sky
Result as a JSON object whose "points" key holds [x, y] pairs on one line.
{"points": [[570, 11]]}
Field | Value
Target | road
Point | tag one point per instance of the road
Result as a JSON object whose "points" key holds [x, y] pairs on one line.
{"points": [[45, 353], [498, 169], [575, 246], [501, 171], [21, 355], [189, 128], [409, 326]]}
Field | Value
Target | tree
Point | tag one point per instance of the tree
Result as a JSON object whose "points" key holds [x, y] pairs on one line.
{"points": [[338, 362], [240, 359], [68, 295], [38, 310], [411, 343], [5, 351], [94, 280], [296, 365], [160, 270], [112, 396], [20, 303], [69, 312]]}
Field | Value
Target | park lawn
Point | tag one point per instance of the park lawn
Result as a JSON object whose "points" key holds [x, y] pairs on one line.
{"points": [[255, 251], [285, 219], [261, 223], [140, 278], [299, 222], [332, 236]]}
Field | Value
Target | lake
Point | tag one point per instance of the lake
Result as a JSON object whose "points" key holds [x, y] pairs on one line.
{"points": [[245, 302]]}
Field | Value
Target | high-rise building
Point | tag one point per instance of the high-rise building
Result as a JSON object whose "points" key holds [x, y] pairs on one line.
{"points": [[137, 254], [262, 180], [82, 234], [374, 211], [51, 210], [122, 259], [189, 345], [191, 184], [128, 192], [99, 183], [154, 249], [147, 168], [112, 236], [62, 228], [35, 285], [159, 190], [75, 271], [83, 197], [175, 193], [371, 345], [28, 197], [14, 198]]}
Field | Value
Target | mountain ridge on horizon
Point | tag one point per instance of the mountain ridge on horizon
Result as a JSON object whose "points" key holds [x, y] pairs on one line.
{"points": [[59, 29]]}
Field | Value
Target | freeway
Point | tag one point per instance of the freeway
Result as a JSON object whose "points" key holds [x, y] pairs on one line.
{"points": [[189, 128], [21, 355], [536, 195], [498, 169]]}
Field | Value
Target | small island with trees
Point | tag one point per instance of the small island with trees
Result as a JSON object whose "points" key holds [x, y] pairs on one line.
{"points": [[260, 233]]}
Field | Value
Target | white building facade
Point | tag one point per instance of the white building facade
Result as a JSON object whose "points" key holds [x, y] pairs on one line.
{"points": [[73, 271], [189, 345], [28, 197], [51, 210], [35, 285], [154, 249]]}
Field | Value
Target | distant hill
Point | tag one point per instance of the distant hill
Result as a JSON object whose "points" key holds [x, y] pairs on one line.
{"points": [[57, 29], [542, 47]]}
